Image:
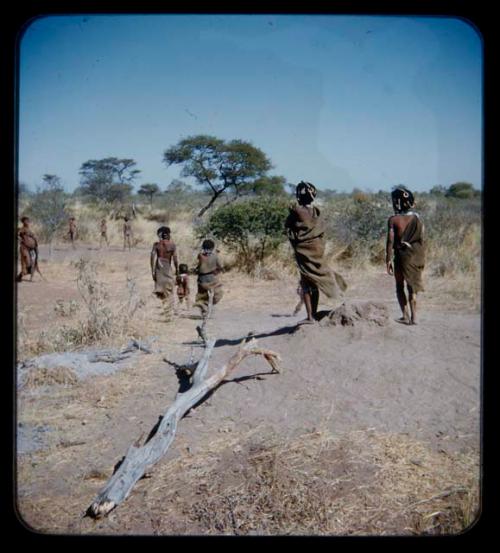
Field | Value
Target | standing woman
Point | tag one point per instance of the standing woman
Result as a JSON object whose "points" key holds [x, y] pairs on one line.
{"points": [[208, 268], [306, 233], [162, 255]]}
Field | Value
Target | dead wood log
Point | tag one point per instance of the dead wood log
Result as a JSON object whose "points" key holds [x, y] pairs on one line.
{"points": [[140, 459]]}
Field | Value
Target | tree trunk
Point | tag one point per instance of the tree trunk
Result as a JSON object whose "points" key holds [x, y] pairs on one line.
{"points": [[210, 203], [140, 459]]}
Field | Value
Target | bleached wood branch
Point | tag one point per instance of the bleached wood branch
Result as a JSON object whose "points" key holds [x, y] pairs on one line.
{"points": [[140, 459]]}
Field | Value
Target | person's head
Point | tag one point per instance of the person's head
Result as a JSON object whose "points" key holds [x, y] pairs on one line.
{"points": [[305, 192], [402, 199], [183, 268], [25, 220], [126, 219], [163, 233], [208, 246]]}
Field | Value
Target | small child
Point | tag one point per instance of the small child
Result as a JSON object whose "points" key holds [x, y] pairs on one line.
{"points": [[299, 305], [182, 283]]}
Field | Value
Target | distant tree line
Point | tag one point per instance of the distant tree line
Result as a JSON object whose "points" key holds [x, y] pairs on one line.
{"points": [[221, 170]]}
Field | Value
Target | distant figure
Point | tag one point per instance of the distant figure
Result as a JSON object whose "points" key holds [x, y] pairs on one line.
{"points": [[182, 283], [162, 255], [306, 231], [104, 233], [208, 269], [28, 250], [72, 231], [127, 234], [405, 237]]}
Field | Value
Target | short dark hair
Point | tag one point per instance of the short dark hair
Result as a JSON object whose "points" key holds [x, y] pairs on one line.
{"points": [[163, 231], [25, 218], [208, 244], [183, 268]]}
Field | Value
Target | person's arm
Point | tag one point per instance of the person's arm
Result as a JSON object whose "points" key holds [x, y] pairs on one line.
{"points": [[219, 267], [389, 246], [176, 261], [152, 260]]}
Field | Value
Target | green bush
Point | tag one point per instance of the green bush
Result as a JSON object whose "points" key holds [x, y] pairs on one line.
{"points": [[461, 190], [252, 229]]}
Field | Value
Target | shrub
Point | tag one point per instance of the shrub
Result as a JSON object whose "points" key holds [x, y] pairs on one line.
{"points": [[252, 229], [357, 226], [462, 190]]}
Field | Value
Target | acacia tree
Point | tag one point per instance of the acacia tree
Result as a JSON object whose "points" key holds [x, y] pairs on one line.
{"points": [[109, 179], [219, 166], [149, 190]]}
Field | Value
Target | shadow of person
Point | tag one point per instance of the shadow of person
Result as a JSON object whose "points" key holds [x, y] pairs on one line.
{"points": [[322, 314], [278, 332]]}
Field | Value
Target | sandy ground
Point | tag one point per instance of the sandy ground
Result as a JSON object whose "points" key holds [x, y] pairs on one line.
{"points": [[421, 381]]}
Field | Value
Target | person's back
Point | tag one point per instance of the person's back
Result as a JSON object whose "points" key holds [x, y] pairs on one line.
{"points": [[207, 263], [399, 224]]}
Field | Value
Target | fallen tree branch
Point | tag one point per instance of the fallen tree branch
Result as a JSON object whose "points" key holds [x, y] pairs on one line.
{"points": [[140, 459]]}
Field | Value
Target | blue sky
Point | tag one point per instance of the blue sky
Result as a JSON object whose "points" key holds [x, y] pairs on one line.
{"points": [[340, 101]]}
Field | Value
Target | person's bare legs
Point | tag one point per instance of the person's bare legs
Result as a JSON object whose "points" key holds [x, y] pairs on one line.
{"points": [[309, 309], [314, 302], [400, 293], [412, 296]]}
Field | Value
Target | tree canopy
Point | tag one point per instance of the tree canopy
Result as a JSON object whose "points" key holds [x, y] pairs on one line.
{"points": [[109, 179], [462, 190], [149, 190], [219, 166]]}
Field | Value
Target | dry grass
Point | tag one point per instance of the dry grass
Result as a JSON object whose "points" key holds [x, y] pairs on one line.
{"points": [[41, 376], [361, 484]]}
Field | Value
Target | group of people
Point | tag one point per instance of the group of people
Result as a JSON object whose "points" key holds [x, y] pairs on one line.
{"points": [[405, 252], [208, 267], [103, 228], [405, 257]]}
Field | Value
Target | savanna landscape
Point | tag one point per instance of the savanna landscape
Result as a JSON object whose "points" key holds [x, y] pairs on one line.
{"points": [[370, 426]]}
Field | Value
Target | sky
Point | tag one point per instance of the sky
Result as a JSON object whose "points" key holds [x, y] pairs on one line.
{"points": [[343, 102]]}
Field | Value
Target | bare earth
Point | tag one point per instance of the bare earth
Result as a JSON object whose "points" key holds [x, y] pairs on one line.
{"points": [[421, 382]]}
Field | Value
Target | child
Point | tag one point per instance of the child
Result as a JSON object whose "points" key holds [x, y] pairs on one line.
{"points": [[300, 303], [182, 282]]}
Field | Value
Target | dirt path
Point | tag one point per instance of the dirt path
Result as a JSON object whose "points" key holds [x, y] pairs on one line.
{"points": [[422, 381]]}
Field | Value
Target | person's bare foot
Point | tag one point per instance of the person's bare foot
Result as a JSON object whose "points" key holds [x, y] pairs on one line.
{"points": [[306, 322], [403, 320]]}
